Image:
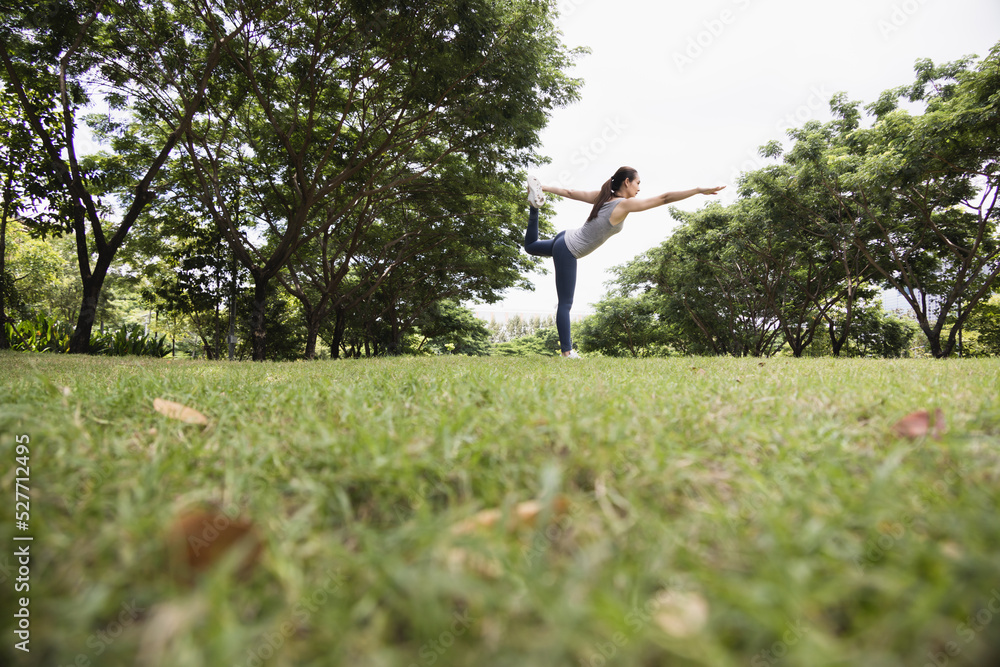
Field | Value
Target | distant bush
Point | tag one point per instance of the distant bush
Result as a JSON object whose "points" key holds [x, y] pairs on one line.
{"points": [[41, 334], [129, 340], [44, 334]]}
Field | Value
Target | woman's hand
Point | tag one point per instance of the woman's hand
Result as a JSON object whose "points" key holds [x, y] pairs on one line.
{"points": [[711, 191]]}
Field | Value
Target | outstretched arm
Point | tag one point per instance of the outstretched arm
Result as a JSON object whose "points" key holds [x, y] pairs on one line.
{"points": [[588, 196], [636, 205]]}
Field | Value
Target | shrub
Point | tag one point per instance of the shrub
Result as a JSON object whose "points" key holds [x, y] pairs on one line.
{"points": [[41, 334], [129, 340]]}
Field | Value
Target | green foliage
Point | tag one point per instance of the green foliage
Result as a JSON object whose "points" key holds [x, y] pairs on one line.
{"points": [[284, 327], [130, 340], [45, 272], [543, 342], [382, 135], [449, 328], [44, 334], [905, 204], [876, 333], [40, 334], [704, 285], [624, 327], [985, 325], [917, 192], [15, 308]]}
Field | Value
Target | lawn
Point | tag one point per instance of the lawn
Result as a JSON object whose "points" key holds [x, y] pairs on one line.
{"points": [[500, 511]]}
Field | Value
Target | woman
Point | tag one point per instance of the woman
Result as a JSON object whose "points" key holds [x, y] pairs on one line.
{"points": [[611, 204]]}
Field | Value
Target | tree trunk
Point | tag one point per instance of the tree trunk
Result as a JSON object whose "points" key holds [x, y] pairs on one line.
{"points": [[339, 326], [314, 317], [8, 202], [79, 343], [4, 343], [258, 317], [837, 342], [934, 341], [312, 333]]}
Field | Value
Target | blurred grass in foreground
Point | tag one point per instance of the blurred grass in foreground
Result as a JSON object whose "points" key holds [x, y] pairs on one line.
{"points": [[692, 512]]}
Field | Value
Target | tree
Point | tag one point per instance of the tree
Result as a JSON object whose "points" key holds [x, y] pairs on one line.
{"points": [[449, 328], [331, 105], [794, 225], [137, 53], [42, 269], [876, 333], [624, 326], [29, 193], [713, 293], [984, 322], [920, 190], [187, 275], [450, 229]]}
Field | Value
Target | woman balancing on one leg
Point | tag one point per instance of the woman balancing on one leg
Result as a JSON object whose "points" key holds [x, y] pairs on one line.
{"points": [[612, 203]]}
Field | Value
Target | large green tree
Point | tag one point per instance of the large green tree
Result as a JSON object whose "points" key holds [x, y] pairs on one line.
{"points": [[921, 189], [29, 191], [327, 106], [795, 226], [451, 231], [714, 295], [141, 55], [624, 326]]}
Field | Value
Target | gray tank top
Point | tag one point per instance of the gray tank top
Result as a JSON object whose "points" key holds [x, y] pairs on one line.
{"points": [[584, 240]]}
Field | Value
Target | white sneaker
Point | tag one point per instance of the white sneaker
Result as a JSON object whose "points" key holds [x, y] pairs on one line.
{"points": [[572, 355], [535, 195]]}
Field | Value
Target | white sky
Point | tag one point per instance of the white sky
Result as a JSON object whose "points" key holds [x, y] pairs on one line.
{"points": [[686, 92]]}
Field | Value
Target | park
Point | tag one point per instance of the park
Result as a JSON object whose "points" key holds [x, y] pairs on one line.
{"points": [[250, 418]]}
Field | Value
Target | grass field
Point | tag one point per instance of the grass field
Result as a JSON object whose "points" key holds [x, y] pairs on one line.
{"points": [[662, 512]]}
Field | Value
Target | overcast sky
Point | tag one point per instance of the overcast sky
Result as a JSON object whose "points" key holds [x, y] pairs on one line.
{"points": [[686, 92]]}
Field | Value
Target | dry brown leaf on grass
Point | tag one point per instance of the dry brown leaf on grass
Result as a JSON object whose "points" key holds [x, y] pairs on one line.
{"points": [[198, 538], [180, 412], [166, 622], [463, 560], [919, 424], [681, 613], [523, 514]]}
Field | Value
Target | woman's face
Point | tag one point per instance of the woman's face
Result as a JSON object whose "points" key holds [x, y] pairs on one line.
{"points": [[631, 187]]}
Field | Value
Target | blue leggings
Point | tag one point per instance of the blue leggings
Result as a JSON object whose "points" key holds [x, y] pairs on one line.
{"points": [[565, 264]]}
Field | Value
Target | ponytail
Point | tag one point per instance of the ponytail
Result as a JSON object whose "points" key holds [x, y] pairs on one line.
{"points": [[610, 187]]}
